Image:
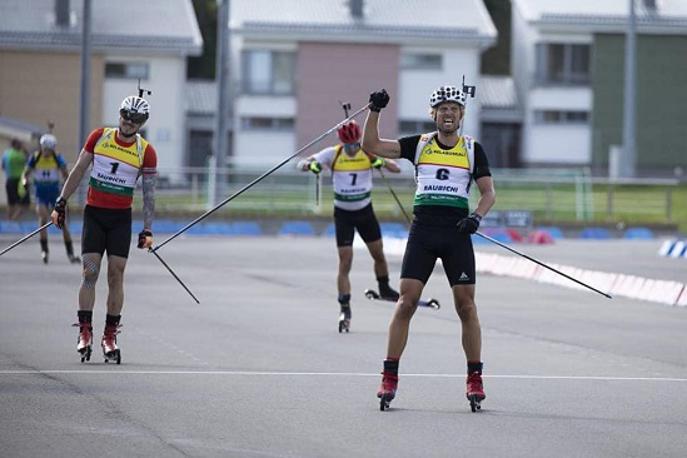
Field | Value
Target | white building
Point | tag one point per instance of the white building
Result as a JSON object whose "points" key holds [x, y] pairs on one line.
{"points": [[557, 63], [293, 61]]}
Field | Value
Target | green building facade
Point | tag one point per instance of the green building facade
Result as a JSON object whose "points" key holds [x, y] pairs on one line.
{"points": [[661, 112]]}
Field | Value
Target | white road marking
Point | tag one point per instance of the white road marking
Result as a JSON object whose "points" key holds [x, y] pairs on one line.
{"points": [[114, 371]]}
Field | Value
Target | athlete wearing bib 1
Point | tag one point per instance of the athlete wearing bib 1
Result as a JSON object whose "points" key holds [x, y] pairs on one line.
{"points": [[116, 167], [119, 157], [351, 169], [446, 163]]}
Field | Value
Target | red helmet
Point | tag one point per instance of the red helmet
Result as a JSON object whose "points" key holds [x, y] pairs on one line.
{"points": [[349, 133]]}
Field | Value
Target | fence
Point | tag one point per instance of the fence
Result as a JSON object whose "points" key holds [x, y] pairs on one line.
{"points": [[551, 195]]}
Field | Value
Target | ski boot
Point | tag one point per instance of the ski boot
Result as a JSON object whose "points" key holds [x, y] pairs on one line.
{"points": [[111, 351], [44, 251], [387, 390], [70, 252], [345, 319], [84, 344], [475, 391], [388, 294]]}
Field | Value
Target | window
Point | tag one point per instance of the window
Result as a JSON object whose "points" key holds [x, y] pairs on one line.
{"points": [[560, 117], [268, 72], [127, 70], [263, 123], [406, 127], [563, 63], [421, 61]]}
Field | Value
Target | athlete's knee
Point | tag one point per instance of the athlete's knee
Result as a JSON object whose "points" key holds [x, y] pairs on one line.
{"points": [[91, 270], [406, 306], [115, 274], [466, 308]]}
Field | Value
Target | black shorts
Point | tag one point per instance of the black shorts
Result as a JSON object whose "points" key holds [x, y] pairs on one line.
{"points": [[363, 220], [12, 195], [106, 229], [426, 243]]}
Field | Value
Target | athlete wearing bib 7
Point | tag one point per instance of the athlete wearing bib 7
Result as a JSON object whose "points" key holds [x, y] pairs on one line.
{"points": [[351, 169]]}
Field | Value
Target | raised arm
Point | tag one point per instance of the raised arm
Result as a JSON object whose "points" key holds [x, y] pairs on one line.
{"points": [[371, 142]]}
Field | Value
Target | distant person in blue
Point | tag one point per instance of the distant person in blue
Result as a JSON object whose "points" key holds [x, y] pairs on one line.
{"points": [[45, 167], [13, 163]]}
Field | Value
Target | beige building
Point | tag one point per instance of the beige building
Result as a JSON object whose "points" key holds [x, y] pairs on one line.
{"points": [[40, 68]]}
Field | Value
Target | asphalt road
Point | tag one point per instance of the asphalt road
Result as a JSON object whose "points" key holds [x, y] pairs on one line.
{"points": [[258, 369]]}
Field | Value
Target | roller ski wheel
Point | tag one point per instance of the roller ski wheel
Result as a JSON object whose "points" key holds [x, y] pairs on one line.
{"points": [[344, 323], [113, 357], [373, 295], [385, 401], [86, 354], [387, 390], [111, 352], [475, 403], [475, 391], [84, 343]]}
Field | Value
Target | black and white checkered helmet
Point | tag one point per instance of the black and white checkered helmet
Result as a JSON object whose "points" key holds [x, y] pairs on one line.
{"points": [[135, 105], [447, 94]]}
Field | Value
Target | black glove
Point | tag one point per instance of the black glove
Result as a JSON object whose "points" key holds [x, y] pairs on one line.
{"points": [[469, 224], [378, 100], [59, 213], [143, 239]]}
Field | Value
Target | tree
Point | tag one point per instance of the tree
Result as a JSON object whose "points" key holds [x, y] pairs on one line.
{"points": [[203, 66], [496, 60]]}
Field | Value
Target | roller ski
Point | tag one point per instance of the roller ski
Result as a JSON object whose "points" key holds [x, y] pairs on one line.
{"points": [[375, 296], [387, 390], [345, 319], [108, 343], [84, 345], [475, 391]]}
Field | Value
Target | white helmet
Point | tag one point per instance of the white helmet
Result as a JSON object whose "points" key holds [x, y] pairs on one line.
{"points": [[447, 94], [134, 105], [48, 141]]}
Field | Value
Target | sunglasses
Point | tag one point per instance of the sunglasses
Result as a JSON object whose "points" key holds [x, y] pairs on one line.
{"points": [[136, 118]]}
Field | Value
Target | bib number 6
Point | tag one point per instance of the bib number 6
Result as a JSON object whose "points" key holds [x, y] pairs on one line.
{"points": [[442, 174]]}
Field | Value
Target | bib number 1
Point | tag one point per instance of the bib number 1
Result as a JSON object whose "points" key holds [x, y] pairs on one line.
{"points": [[115, 166]]}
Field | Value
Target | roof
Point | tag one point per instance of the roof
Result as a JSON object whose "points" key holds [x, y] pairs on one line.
{"points": [[201, 96], [498, 99], [497, 92], [669, 16], [12, 127], [382, 20], [166, 26]]}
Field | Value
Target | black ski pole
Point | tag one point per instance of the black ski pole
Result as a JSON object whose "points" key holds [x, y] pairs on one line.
{"points": [[175, 276], [256, 181], [26, 237], [391, 190], [503, 245]]}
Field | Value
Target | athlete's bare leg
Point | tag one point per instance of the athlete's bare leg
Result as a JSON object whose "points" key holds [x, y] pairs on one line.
{"points": [[464, 299], [411, 290], [115, 281], [343, 282], [377, 251], [90, 263]]}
